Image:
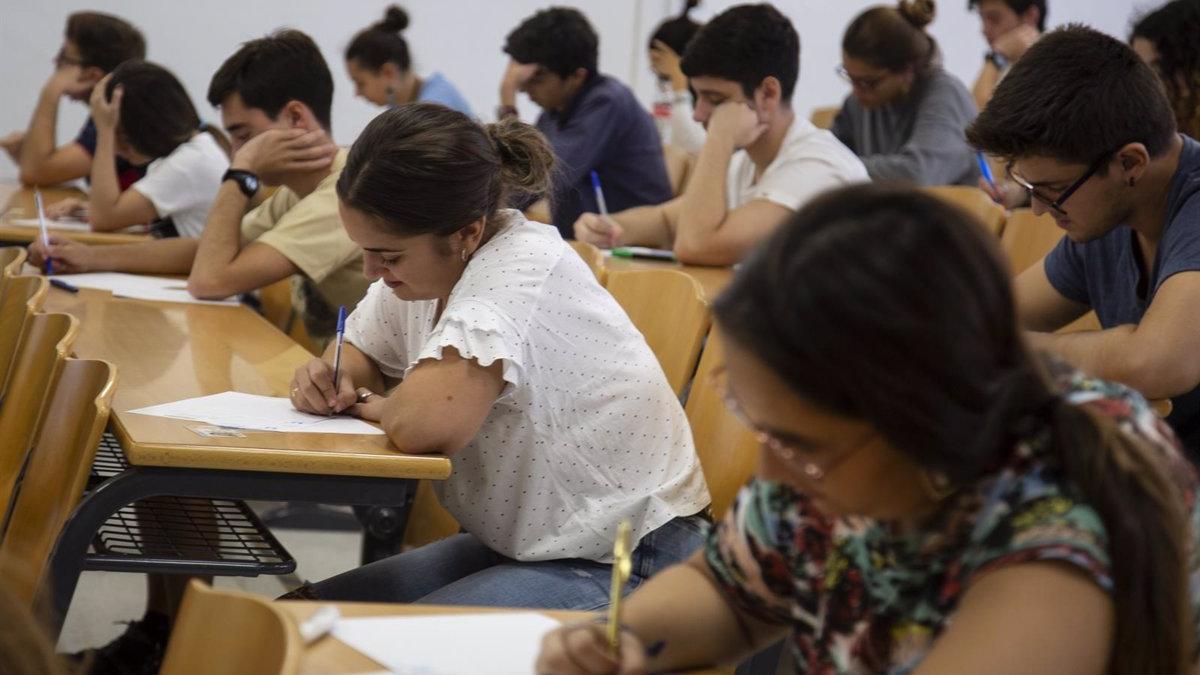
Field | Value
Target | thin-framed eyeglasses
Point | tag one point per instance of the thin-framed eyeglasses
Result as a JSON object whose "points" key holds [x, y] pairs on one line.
{"points": [[864, 83], [1056, 203], [787, 450]]}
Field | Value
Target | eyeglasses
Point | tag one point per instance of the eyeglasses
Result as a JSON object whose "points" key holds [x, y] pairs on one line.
{"points": [[864, 83], [1053, 203], [785, 450]]}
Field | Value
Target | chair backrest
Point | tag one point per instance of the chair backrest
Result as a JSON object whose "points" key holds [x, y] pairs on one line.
{"points": [[45, 345], [669, 309], [55, 471], [974, 201], [1027, 238], [679, 167], [12, 259], [226, 632], [728, 450], [22, 297], [822, 118], [594, 258]]}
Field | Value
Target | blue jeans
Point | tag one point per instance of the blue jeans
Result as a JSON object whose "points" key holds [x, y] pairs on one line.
{"points": [[461, 570]]}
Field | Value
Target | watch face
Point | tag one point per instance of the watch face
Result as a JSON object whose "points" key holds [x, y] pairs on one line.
{"points": [[251, 183]]}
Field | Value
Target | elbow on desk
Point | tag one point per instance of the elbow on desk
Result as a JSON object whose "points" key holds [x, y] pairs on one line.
{"points": [[209, 289], [409, 439], [712, 253]]}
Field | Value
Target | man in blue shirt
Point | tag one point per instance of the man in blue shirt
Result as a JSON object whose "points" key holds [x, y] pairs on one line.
{"points": [[1090, 135], [593, 122]]}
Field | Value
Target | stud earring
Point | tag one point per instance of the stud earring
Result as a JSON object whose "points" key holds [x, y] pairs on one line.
{"points": [[463, 254]]}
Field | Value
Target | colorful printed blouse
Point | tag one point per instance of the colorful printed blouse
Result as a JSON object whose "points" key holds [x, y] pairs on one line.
{"points": [[862, 598]]}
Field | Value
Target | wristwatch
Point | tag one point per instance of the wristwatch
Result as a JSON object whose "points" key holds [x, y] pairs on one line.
{"points": [[247, 182]]}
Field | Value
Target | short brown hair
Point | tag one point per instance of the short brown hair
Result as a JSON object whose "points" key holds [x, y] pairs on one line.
{"points": [[103, 40]]}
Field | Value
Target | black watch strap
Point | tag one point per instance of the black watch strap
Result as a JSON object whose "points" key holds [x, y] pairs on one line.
{"points": [[246, 181]]}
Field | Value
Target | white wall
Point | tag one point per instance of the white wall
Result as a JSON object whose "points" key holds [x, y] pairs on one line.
{"points": [[461, 38]]}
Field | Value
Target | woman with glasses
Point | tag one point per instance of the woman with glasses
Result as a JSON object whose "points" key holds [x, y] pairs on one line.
{"points": [[931, 496], [906, 115]]}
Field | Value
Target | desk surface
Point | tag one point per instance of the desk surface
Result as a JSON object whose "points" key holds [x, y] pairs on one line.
{"points": [[712, 279], [330, 655], [170, 351], [18, 203]]}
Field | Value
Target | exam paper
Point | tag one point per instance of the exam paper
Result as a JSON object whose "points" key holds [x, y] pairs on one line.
{"points": [[139, 287], [504, 643], [53, 224], [256, 413]]}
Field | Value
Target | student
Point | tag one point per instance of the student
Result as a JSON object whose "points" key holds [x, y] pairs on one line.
{"points": [[94, 45], [1010, 28], [1125, 188], [503, 346], [760, 161], [378, 62], [933, 501], [905, 116], [673, 111], [1166, 39], [275, 95], [593, 122], [143, 115]]}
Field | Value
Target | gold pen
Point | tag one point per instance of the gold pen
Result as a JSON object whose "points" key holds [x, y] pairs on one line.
{"points": [[622, 565]]}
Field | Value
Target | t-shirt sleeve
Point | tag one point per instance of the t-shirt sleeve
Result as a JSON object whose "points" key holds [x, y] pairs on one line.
{"points": [[1181, 243], [794, 182], [171, 185], [309, 233], [1066, 271], [477, 330], [769, 553], [87, 137]]}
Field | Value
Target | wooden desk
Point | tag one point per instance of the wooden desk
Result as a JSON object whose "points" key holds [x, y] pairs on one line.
{"points": [[18, 203], [329, 655], [168, 351], [712, 279]]}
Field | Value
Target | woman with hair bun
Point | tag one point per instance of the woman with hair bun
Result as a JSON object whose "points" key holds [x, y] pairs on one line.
{"points": [[906, 116], [379, 64], [485, 337], [675, 105]]}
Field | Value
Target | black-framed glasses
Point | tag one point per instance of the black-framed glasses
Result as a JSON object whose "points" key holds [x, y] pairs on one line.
{"points": [[864, 83], [1056, 203]]}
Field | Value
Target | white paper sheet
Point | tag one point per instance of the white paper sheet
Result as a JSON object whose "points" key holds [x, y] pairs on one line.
{"points": [[61, 224], [139, 287], [505, 643], [256, 413]]}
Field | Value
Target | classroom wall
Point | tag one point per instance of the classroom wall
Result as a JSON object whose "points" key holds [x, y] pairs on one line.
{"points": [[460, 38]]}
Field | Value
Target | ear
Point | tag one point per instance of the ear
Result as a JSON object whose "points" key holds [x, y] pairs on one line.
{"points": [[1031, 16], [470, 236], [390, 71], [91, 74], [296, 115], [769, 94], [1134, 160], [578, 76]]}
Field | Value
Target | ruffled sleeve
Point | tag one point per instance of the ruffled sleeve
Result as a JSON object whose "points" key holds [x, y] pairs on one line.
{"points": [[477, 331]]}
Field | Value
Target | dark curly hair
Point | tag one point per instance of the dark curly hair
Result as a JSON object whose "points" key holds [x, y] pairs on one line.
{"points": [[1174, 29], [559, 39], [746, 44]]}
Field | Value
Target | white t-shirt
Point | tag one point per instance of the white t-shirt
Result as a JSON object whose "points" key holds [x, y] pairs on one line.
{"points": [[679, 128], [183, 185], [587, 431], [810, 161]]}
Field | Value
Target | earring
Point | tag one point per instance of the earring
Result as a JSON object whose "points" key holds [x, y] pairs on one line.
{"points": [[463, 254], [936, 484]]}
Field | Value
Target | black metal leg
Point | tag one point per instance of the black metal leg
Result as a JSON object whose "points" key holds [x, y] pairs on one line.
{"points": [[383, 530]]}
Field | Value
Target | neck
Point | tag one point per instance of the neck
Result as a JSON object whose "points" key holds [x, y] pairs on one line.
{"points": [[408, 88], [764, 149], [1149, 196]]}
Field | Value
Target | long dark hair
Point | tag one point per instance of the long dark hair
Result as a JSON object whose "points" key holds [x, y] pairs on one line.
{"points": [[424, 168], [382, 42], [157, 115], [894, 38], [891, 306], [1174, 29]]}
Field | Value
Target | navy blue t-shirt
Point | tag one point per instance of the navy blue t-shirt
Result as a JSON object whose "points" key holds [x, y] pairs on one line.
{"points": [[606, 130], [1104, 274], [127, 174]]}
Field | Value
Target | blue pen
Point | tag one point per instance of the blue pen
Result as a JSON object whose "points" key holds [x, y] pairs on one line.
{"points": [[986, 170], [37, 199], [599, 194], [337, 350]]}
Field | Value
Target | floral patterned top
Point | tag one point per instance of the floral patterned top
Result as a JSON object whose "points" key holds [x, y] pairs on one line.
{"points": [[863, 598]]}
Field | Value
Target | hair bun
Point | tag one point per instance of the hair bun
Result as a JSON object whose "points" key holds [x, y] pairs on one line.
{"points": [[688, 6], [395, 20], [919, 13], [526, 160]]}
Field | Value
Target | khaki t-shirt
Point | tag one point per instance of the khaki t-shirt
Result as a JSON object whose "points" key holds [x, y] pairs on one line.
{"points": [[309, 233]]}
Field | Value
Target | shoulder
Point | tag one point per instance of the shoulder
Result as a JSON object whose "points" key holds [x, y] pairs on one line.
{"points": [[943, 87], [806, 144]]}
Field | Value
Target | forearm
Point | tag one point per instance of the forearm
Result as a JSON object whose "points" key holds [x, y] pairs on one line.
{"points": [[645, 226], [164, 256], [362, 370], [1119, 354], [703, 208], [220, 242], [39, 143], [105, 188], [682, 609], [985, 84]]}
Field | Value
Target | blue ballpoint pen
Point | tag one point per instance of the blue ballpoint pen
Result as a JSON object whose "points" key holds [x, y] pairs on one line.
{"points": [[599, 194], [37, 199], [986, 170], [337, 350]]}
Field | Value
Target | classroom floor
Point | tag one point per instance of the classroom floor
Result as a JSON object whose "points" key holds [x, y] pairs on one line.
{"points": [[105, 599]]}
